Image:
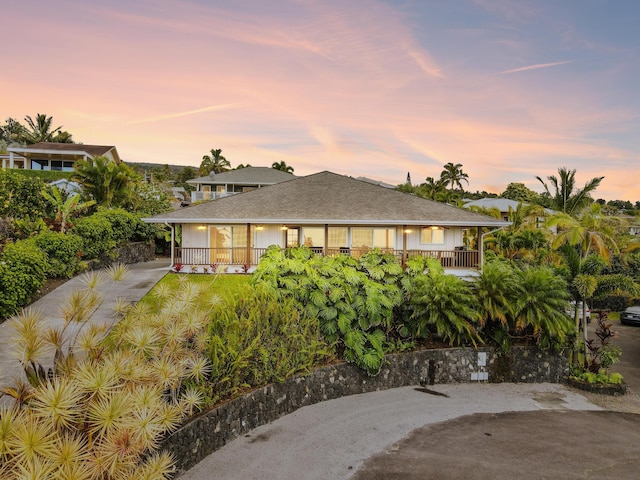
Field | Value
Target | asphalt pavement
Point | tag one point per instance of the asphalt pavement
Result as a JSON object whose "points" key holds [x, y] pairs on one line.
{"points": [[461, 431]]}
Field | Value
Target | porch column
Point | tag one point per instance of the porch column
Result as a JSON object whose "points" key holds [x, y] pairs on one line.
{"points": [[173, 242], [480, 249], [326, 239], [404, 245], [11, 160], [249, 244]]}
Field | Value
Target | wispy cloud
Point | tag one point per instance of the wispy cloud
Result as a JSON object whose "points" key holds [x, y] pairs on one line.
{"points": [[181, 114], [537, 66]]}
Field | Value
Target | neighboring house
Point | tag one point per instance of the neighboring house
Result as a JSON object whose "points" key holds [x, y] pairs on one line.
{"points": [[501, 204], [67, 186], [505, 206], [376, 182], [220, 185], [632, 222], [17, 161], [55, 156], [329, 213]]}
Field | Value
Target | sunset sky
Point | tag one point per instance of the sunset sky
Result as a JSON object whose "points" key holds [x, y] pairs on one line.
{"points": [[510, 89]]}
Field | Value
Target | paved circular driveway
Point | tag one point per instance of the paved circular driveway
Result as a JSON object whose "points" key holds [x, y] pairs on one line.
{"points": [[498, 431], [515, 445]]}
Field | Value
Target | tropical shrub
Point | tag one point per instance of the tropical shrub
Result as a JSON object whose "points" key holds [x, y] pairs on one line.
{"points": [[124, 225], [440, 305], [97, 234], [103, 409], [256, 339], [20, 196], [496, 291], [539, 307], [64, 251], [23, 270], [353, 299]]}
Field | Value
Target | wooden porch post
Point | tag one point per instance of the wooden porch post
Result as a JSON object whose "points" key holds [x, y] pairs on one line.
{"points": [[326, 239], [480, 249], [404, 245], [249, 244], [173, 242]]}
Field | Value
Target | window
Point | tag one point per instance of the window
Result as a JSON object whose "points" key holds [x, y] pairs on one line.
{"points": [[367, 238], [39, 164], [337, 237], [432, 235], [384, 238], [60, 165], [226, 240], [314, 237]]}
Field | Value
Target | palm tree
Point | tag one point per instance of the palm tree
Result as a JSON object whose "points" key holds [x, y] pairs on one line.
{"points": [[591, 232], [453, 175], [215, 163], [40, 129], [65, 208], [431, 187], [443, 304], [282, 166], [495, 288], [565, 197], [540, 305], [105, 181]]}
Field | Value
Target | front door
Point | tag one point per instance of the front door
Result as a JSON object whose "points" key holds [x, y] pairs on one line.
{"points": [[293, 237]]}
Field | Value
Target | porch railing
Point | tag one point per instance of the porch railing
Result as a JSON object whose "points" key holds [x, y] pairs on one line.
{"points": [[242, 256]]}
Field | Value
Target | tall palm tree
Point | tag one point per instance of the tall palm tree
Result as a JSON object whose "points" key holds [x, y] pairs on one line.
{"points": [[591, 232], [105, 181], [453, 175], [215, 162], [431, 187], [39, 129], [282, 166], [566, 198]]}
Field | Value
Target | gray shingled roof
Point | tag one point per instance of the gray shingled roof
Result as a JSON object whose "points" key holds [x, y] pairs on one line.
{"points": [[246, 176], [327, 198]]}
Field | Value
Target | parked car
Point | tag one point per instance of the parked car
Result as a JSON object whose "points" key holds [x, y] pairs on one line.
{"points": [[631, 316], [571, 310]]}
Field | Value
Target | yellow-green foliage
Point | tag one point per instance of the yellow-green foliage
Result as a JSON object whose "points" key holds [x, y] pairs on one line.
{"points": [[109, 401], [257, 339]]}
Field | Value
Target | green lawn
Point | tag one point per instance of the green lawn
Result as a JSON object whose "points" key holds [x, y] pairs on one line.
{"points": [[224, 285]]}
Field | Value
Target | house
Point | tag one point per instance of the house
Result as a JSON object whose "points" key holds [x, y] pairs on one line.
{"points": [[331, 214], [218, 185], [504, 205], [17, 161], [55, 156], [67, 186]]}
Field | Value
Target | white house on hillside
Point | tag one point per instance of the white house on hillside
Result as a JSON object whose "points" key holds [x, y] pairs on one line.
{"points": [[218, 185], [55, 156]]}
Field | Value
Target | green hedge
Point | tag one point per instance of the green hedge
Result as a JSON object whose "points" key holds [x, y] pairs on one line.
{"points": [[23, 270], [97, 234], [64, 251], [123, 224]]}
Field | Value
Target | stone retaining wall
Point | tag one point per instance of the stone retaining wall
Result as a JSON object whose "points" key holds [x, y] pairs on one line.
{"points": [[213, 429], [134, 252]]}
